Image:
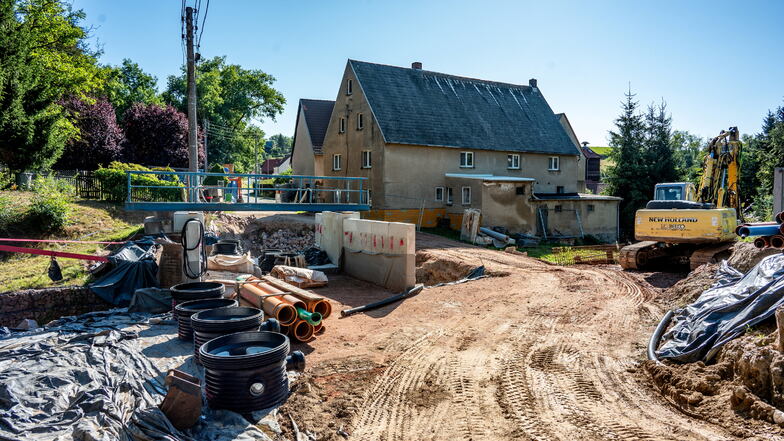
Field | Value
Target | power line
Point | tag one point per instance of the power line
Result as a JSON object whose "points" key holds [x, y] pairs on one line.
{"points": [[203, 20]]}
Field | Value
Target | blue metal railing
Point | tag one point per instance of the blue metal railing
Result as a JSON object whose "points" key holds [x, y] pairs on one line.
{"points": [[186, 191]]}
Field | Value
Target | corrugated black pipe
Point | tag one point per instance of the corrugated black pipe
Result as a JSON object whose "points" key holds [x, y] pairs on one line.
{"points": [[657, 334], [410, 293]]}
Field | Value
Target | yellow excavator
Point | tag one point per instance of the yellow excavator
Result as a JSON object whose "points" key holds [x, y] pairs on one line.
{"points": [[687, 225]]}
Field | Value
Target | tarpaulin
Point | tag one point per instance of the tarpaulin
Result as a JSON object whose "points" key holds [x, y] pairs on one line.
{"points": [[154, 300], [100, 376], [724, 311], [133, 267]]}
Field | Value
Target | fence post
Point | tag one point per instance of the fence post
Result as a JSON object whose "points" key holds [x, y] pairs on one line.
{"points": [[128, 173]]}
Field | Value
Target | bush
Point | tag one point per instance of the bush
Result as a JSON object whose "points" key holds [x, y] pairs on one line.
{"points": [[114, 183], [216, 180], [9, 215], [49, 208]]}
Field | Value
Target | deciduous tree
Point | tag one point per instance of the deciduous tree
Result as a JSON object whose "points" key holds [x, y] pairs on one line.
{"points": [[156, 136], [99, 139]]}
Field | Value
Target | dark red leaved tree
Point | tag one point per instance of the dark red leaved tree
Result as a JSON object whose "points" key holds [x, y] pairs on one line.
{"points": [[99, 140], [157, 136]]}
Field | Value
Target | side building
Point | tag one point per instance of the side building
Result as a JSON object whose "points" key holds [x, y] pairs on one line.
{"points": [[433, 145], [313, 116]]}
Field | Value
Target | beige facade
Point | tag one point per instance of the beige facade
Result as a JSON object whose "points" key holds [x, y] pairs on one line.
{"points": [[413, 177], [303, 160]]}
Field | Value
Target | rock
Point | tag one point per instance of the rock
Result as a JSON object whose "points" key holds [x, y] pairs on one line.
{"points": [[28, 324], [778, 417]]}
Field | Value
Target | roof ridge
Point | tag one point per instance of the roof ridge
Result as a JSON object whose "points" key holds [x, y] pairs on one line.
{"points": [[460, 77], [316, 99]]}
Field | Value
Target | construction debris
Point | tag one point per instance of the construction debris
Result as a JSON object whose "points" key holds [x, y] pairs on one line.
{"points": [[182, 403], [300, 277]]}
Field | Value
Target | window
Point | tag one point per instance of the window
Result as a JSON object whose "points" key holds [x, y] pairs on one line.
{"points": [[513, 162], [366, 159], [439, 194], [520, 190], [590, 208], [466, 195], [559, 189], [554, 163], [360, 121], [336, 162], [349, 86], [449, 195], [558, 208], [466, 159], [342, 125]]}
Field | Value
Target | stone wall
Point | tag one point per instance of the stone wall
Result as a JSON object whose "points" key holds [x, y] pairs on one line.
{"points": [[47, 304]]}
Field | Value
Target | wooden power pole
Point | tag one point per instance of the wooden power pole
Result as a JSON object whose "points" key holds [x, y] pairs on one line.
{"points": [[193, 149]]}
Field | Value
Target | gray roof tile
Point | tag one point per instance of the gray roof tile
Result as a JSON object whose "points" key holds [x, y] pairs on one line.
{"points": [[420, 107]]}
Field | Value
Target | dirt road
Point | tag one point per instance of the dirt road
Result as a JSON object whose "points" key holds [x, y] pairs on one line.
{"points": [[535, 352]]}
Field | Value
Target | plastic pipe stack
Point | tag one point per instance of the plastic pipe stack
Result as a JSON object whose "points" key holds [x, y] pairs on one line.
{"points": [[768, 234]]}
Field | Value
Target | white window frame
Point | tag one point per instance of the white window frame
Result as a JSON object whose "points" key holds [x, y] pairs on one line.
{"points": [[337, 161], [367, 159], [463, 195], [360, 121], [513, 161], [554, 163], [467, 163], [442, 191], [449, 196], [349, 86]]}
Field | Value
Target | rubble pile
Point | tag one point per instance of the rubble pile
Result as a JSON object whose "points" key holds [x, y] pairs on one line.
{"points": [[286, 240], [258, 234]]}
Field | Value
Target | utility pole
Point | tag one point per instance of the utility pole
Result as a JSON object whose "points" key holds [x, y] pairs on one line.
{"points": [[193, 149]]}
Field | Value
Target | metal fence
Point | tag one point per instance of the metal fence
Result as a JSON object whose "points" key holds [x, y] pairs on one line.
{"points": [[588, 254], [85, 183]]}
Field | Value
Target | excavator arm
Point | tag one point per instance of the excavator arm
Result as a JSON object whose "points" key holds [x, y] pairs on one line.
{"points": [[719, 182]]}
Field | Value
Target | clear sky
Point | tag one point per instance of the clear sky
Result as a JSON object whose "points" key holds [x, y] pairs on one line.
{"points": [[715, 63]]}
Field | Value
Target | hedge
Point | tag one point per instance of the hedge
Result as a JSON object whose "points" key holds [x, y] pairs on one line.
{"points": [[114, 184]]}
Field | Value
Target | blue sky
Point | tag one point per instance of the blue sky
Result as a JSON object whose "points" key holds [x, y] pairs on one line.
{"points": [[715, 63]]}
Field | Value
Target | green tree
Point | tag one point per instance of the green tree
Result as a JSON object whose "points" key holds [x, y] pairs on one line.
{"points": [[278, 145], [43, 58], [687, 154], [628, 156], [660, 159], [127, 84], [230, 98]]}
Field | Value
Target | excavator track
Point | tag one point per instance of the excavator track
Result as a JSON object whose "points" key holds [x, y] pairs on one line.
{"points": [[707, 254], [636, 256]]}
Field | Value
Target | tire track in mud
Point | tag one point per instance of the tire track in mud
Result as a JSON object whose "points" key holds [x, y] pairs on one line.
{"points": [[385, 413]]}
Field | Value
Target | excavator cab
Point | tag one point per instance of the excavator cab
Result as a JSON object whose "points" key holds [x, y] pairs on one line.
{"points": [[675, 191]]}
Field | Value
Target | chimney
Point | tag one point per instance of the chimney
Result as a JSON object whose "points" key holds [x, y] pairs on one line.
{"points": [[532, 82], [416, 65]]}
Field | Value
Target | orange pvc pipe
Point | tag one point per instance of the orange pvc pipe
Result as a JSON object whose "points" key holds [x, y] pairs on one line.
{"points": [[322, 306], [295, 302], [302, 331], [319, 329]]}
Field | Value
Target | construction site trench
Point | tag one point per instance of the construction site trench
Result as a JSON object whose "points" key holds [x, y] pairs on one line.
{"points": [[535, 351]]}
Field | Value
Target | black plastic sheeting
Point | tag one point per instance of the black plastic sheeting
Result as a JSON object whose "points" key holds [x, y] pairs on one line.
{"points": [[132, 267], [724, 311], [98, 377]]}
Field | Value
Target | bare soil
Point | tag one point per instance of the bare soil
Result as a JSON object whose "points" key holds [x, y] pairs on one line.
{"points": [[538, 352]]}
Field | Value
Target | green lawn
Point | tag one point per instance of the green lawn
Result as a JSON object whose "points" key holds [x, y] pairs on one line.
{"points": [[88, 220]]}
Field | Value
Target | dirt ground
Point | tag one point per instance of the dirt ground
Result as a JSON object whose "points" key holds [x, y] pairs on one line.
{"points": [[534, 351]]}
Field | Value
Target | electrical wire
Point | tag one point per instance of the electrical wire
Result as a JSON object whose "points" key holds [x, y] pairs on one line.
{"points": [[204, 19]]}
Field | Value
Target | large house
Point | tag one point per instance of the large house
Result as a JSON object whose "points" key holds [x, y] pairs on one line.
{"points": [[433, 145]]}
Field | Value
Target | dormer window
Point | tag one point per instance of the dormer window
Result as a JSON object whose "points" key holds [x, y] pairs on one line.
{"points": [[349, 86], [360, 121]]}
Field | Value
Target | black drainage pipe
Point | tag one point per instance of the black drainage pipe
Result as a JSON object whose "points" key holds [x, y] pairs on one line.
{"points": [[185, 310], [185, 292], [214, 323], [653, 344], [246, 371]]}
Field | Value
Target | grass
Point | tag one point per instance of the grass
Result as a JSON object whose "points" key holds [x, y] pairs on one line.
{"points": [[601, 150], [88, 220]]}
